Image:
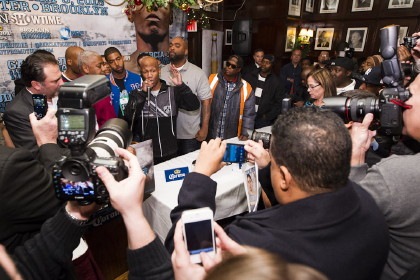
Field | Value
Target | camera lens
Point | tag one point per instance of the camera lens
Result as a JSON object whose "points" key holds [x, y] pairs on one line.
{"points": [[113, 134], [263, 136], [352, 109], [75, 170]]}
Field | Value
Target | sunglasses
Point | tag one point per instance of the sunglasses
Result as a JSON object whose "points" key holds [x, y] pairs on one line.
{"points": [[231, 65]]}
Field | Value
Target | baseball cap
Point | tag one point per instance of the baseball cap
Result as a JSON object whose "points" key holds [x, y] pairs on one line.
{"points": [[270, 58], [373, 76], [344, 62]]}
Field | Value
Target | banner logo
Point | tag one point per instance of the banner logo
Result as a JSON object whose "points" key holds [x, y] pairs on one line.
{"points": [[176, 174]]}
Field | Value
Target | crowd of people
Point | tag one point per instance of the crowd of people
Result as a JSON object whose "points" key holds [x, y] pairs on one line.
{"points": [[339, 201]]}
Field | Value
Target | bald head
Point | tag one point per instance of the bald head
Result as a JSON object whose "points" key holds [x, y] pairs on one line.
{"points": [[178, 51], [150, 71], [148, 61], [72, 56]]}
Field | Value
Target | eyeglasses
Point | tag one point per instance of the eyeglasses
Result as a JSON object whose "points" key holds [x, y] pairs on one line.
{"points": [[313, 86], [233, 66]]}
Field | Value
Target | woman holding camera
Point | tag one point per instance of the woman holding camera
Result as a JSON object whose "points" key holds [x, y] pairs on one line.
{"points": [[320, 85]]}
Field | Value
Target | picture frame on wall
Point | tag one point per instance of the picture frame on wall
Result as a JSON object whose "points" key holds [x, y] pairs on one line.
{"points": [[309, 6], [228, 37], [294, 7], [400, 4], [402, 33], [362, 5], [356, 37], [328, 6], [290, 39], [324, 38]]}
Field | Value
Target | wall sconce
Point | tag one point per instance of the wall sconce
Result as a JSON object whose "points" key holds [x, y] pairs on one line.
{"points": [[305, 35]]}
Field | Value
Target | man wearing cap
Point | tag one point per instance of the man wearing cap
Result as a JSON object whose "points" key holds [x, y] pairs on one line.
{"points": [[268, 90], [233, 103], [341, 70], [372, 80]]}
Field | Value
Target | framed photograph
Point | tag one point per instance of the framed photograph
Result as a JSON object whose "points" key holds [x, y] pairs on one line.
{"points": [[398, 4], [324, 38], [294, 7], [403, 32], [356, 37], [309, 6], [290, 39], [228, 37], [328, 6], [362, 5]]}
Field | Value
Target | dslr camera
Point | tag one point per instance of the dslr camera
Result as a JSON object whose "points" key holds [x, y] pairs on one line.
{"points": [[387, 109], [74, 176]]}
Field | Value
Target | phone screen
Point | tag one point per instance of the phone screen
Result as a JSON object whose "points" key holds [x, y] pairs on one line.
{"points": [[199, 236], [234, 153], [40, 105]]}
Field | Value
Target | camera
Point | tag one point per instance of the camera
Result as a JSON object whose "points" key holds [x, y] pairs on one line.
{"points": [[410, 42], [263, 136], [74, 176]]}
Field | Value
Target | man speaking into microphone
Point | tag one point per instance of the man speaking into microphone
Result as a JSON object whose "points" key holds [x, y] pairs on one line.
{"points": [[152, 109]]}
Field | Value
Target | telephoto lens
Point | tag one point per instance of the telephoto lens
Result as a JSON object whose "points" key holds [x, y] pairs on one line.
{"points": [[263, 136]]}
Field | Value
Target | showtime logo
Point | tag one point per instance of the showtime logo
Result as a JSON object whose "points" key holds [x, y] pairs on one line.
{"points": [[23, 19]]}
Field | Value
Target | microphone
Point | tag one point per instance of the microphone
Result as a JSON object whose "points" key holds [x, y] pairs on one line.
{"points": [[148, 96]]}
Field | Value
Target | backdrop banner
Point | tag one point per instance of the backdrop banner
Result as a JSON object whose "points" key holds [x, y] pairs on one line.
{"points": [[54, 25]]}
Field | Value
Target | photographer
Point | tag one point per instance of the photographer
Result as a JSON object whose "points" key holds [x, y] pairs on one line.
{"points": [[27, 196], [394, 185], [314, 207]]}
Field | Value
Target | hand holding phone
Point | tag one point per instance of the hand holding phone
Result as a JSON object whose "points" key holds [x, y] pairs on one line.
{"points": [[198, 232], [40, 105], [235, 153]]}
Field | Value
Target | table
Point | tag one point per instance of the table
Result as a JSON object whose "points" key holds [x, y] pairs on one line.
{"points": [[230, 195]]}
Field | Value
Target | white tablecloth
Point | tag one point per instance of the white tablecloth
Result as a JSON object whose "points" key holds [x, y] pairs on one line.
{"points": [[230, 195]]}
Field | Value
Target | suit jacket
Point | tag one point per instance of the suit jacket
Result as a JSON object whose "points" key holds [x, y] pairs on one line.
{"points": [[341, 233], [16, 119], [27, 197]]}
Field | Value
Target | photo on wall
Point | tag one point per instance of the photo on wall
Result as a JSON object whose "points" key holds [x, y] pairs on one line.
{"points": [[356, 37], [328, 6], [402, 33], [362, 5], [309, 6], [324, 38], [400, 4], [290, 39], [294, 7]]}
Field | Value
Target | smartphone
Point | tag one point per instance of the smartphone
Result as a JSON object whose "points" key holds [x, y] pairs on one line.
{"points": [[198, 232], [40, 105], [234, 153]]}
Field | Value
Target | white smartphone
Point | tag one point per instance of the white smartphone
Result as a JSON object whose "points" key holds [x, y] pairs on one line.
{"points": [[198, 232]]}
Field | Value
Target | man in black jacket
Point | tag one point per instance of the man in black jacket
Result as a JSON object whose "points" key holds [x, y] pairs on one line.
{"points": [[27, 196], [153, 114], [268, 91], [318, 218]]}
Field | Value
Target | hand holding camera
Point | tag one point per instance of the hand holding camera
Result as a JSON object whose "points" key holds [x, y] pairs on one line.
{"points": [[257, 153], [209, 160], [45, 129], [361, 138]]}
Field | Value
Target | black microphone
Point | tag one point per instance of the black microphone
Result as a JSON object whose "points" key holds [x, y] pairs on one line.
{"points": [[148, 96]]}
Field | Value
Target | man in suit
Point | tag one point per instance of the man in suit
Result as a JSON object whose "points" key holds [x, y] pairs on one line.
{"points": [[27, 197], [41, 75]]}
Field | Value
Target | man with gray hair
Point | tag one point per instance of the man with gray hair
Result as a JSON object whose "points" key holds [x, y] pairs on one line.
{"points": [[233, 104], [90, 63]]}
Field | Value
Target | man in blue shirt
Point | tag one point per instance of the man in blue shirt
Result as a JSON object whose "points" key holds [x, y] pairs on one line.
{"points": [[122, 81]]}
